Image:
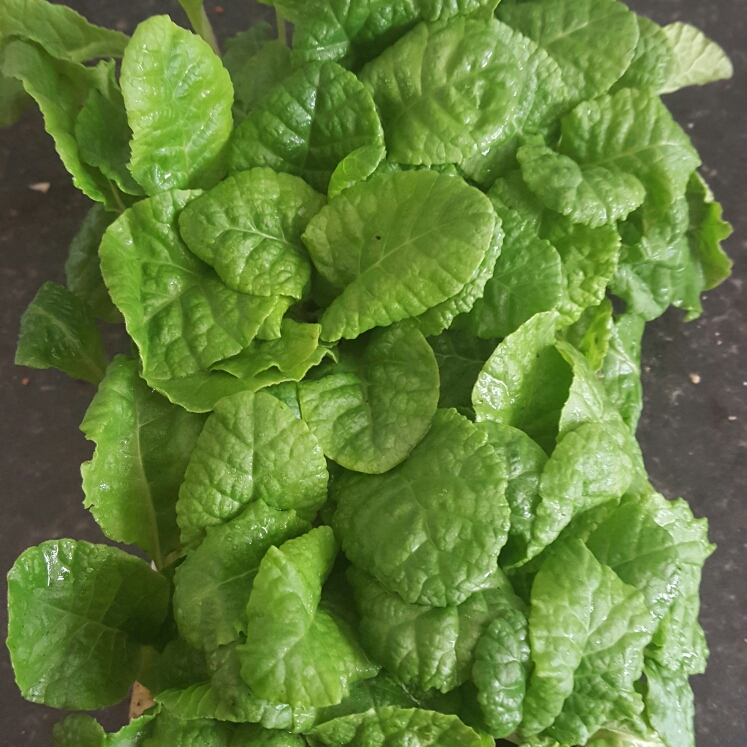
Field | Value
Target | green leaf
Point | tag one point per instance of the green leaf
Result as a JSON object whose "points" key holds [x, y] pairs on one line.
{"points": [[355, 167], [501, 670], [169, 731], [587, 631], [621, 368], [13, 99], [79, 730], [524, 461], [295, 652], [307, 124], [527, 279], [200, 23], [373, 407], [253, 735], [593, 41], [103, 133], [390, 726], [669, 705], [249, 229], [697, 59], [179, 665], [60, 88], [62, 32], [653, 62], [591, 334], [256, 63], [181, 316], [448, 91], [252, 446], [83, 267], [77, 616], [423, 647], [618, 736], [212, 585], [525, 382], [143, 445], [594, 196], [178, 98], [396, 246], [430, 529], [631, 132], [59, 331]]}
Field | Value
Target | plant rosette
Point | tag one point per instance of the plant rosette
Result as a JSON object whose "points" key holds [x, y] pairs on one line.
{"points": [[376, 432]]}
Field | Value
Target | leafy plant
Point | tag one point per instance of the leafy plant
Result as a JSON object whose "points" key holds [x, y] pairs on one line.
{"points": [[376, 434]]}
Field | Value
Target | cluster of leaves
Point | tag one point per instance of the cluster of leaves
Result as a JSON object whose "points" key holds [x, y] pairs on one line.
{"points": [[377, 431]]}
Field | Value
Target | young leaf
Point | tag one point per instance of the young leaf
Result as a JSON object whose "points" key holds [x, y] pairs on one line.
{"points": [[143, 445], [355, 167], [593, 41], [178, 98], [83, 266], [396, 246], [252, 446], [212, 585], [62, 32], [307, 124], [296, 652], [59, 331], [371, 409], [431, 528], [591, 333], [249, 229], [77, 616], [697, 59]]}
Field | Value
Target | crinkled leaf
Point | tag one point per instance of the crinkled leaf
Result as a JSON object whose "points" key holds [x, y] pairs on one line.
{"points": [[58, 331], [372, 408], [252, 446], [307, 124], [669, 705], [618, 736], [396, 246], [390, 726], [525, 382], [697, 59], [212, 585], [587, 631], [249, 229], [295, 652], [430, 529], [594, 196], [593, 41], [178, 98], [62, 32], [591, 333], [143, 445], [83, 266], [653, 62], [77, 616], [355, 167]]}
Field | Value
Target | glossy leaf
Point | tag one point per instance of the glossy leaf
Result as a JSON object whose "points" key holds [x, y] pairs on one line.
{"points": [[355, 167], [58, 331], [591, 334], [80, 730]]}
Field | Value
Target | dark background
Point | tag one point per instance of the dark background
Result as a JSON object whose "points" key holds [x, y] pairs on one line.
{"points": [[694, 436]]}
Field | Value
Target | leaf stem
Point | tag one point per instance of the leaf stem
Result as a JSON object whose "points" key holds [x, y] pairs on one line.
{"points": [[282, 35], [200, 22]]}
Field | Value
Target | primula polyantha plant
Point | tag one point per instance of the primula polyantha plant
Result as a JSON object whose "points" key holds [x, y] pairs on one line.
{"points": [[376, 433]]}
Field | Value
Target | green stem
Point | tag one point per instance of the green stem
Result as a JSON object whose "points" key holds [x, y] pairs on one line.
{"points": [[200, 23], [282, 37]]}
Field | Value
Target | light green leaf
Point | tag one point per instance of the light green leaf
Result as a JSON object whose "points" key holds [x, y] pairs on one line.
{"points": [[212, 585], [653, 62], [587, 631], [525, 382], [181, 316], [178, 98], [355, 167], [669, 705], [697, 59], [59, 331], [62, 32], [396, 246], [252, 446], [83, 267], [430, 529], [143, 445], [594, 196], [591, 334], [448, 91], [296, 652], [80, 730], [13, 100], [77, 616], [249, 229], [372, 408], [200, 23], [614, 736], [307, 124], [593, 41]]}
